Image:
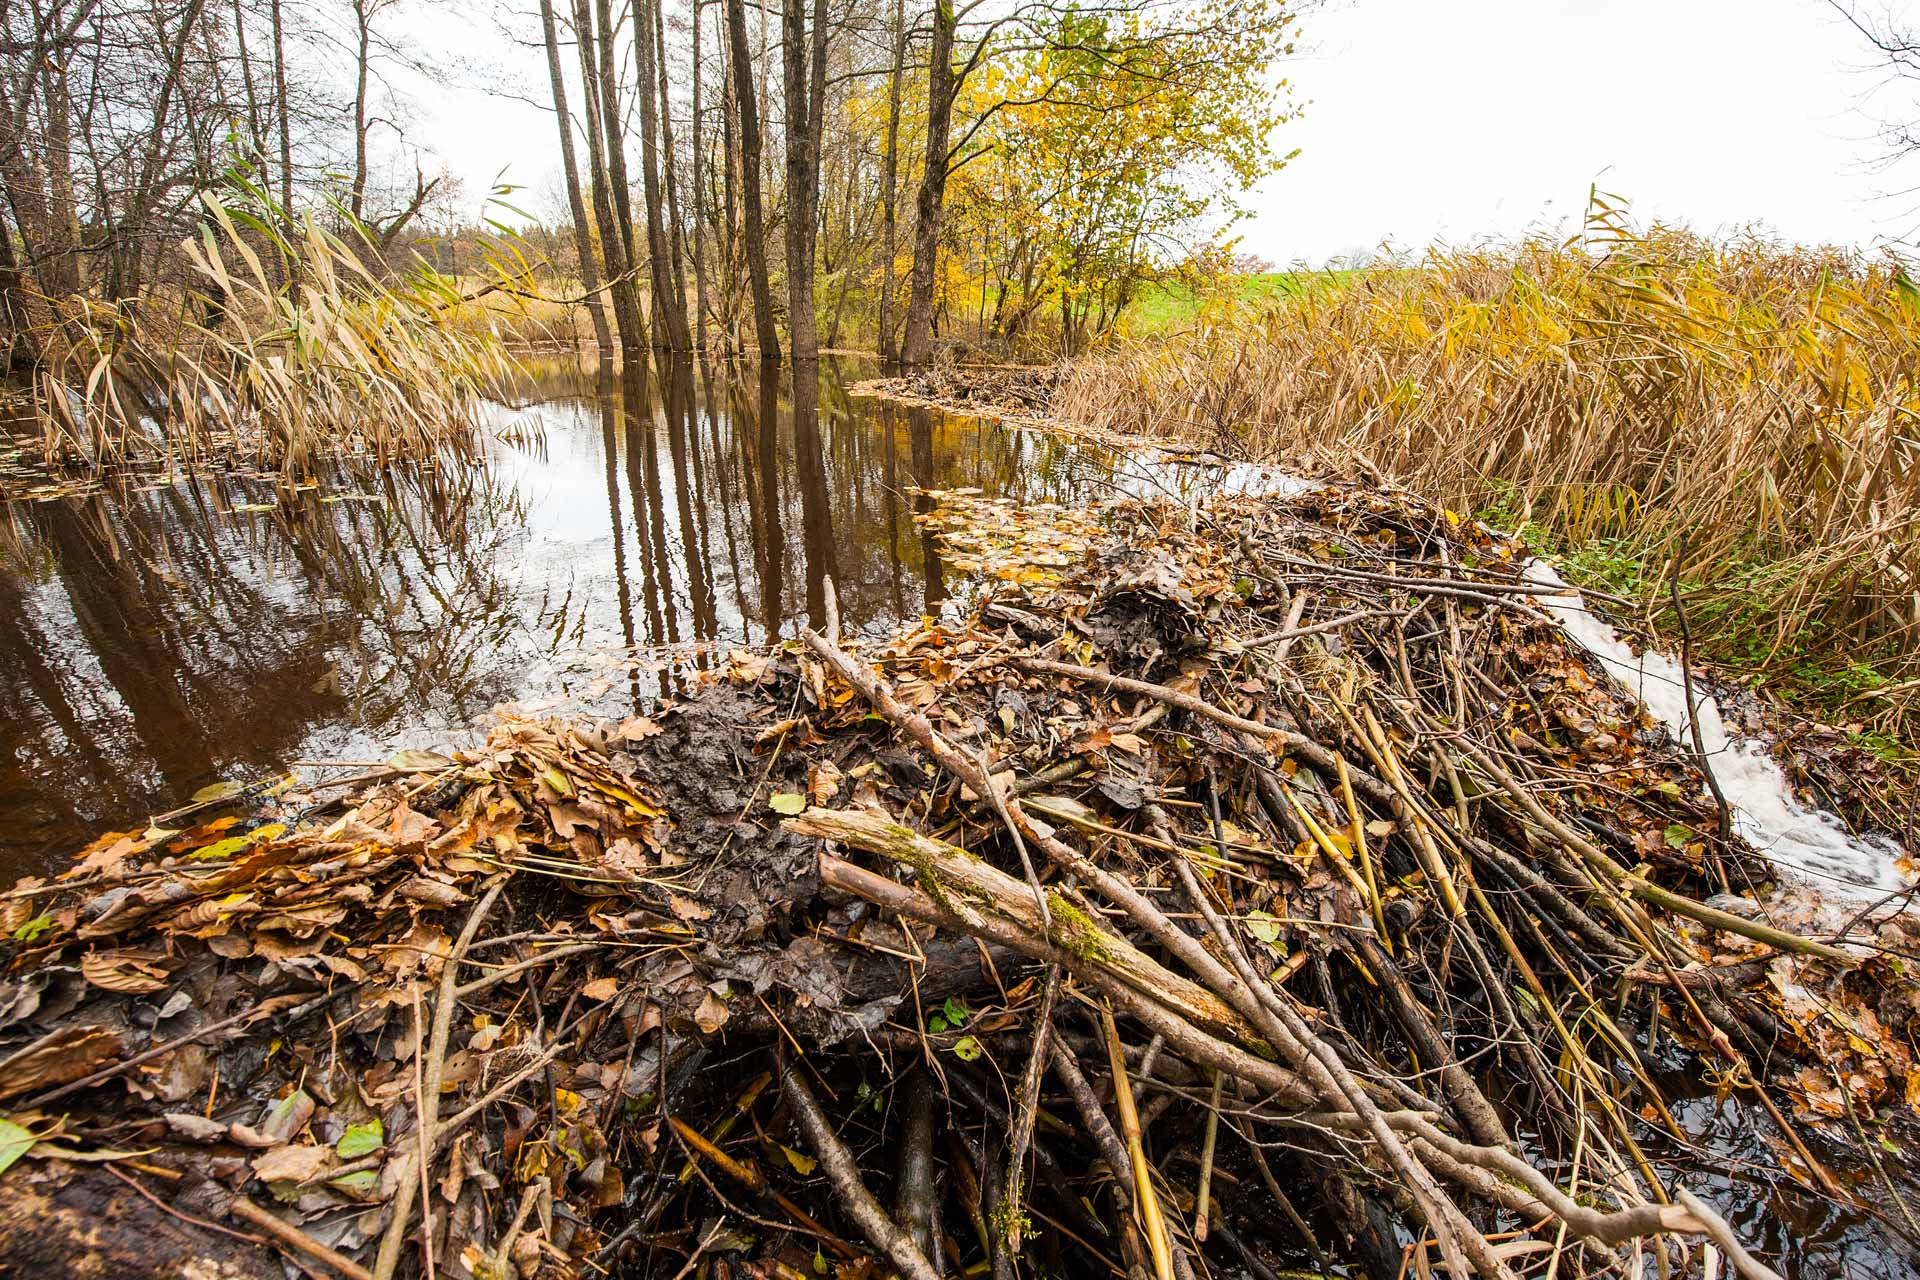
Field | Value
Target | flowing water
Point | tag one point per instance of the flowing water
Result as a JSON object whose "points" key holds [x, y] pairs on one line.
{"points": [[162, 636]]}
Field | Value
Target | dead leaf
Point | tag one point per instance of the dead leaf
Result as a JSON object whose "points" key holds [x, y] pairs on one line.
{"points": [[291, 1163]]}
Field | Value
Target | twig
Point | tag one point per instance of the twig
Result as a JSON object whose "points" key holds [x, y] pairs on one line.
{"points": [[844, 1174], [294, 1238]]}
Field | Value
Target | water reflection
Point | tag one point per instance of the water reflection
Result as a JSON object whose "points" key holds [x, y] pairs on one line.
{"points": [[161, 636]]}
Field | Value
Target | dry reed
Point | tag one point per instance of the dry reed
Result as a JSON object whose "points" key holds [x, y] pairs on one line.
{"points": [[1636, 397], [286, 346]]}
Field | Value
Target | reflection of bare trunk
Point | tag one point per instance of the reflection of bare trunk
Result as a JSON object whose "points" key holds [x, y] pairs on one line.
{"points": [[754, 223], [610, 450], [816, 508], [687, 494], [772, 548], [920, 429], [917, 347]]}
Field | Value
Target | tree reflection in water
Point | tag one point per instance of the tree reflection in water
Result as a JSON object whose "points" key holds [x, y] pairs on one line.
{"points": [[159, 637]]}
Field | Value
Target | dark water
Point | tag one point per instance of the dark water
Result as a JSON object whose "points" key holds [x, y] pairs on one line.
{"points": [[156, 638]]}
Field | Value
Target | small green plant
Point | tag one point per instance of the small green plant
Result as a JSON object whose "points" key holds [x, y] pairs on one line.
{"points": [[951, 1015]]}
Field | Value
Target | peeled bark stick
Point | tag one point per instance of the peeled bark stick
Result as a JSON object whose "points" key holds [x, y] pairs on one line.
{"points": [[1189, 1041], [881, 1231], [964, 883], [296, 1239], [1146, 1202]]}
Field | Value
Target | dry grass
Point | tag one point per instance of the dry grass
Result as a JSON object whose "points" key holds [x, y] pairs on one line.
{"points": [[238, 369], [1633, 397]]}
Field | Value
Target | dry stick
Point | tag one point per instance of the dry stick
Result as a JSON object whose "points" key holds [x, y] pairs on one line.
{"points": [[1025, 1113], [1461, 1245], [844, 1174], [1639, 886], [388, 1259], [1192, 1043], [295, 1238], [1206, 1160], [1298, 743]]}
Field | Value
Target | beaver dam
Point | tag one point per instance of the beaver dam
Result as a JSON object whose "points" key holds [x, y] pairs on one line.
{"points": [[1238, 884]]}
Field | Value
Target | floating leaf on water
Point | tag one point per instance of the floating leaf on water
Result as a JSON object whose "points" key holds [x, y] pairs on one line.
{"points": [[790, 803], [219, 791]]}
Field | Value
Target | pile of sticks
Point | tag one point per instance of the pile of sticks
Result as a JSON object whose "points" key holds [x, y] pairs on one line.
{"points": [[1273, 890]]}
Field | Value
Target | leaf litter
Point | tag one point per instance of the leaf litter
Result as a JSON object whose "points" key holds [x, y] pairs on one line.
{"points": [[1292, 822]]}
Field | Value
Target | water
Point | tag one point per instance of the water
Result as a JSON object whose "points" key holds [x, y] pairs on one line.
{"points": [[1809, 843], [158, 637]]}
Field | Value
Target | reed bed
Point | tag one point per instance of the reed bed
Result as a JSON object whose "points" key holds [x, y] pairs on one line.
{"points": [[285, 346], [1738, 414]]}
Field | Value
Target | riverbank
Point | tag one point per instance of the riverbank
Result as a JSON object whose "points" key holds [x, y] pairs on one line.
{"points": [[721, 979]]}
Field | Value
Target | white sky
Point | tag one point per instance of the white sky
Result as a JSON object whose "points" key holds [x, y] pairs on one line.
{"points": [[1470, 118], [1428, 120]]}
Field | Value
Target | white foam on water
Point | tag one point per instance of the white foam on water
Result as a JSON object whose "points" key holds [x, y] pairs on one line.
{"points": [[1811, 843]]}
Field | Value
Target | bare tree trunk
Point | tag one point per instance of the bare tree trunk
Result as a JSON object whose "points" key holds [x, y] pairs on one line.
{"points": [[363, 29], [699, 197], [890, 181], [613, 134], [917, 347], [754, 225], [613, 245], [669, 319], [570, 171], [805, 82], [285, 126], [669, 172]]}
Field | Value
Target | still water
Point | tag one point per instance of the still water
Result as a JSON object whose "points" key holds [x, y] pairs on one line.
{"points": [[158, 637]]}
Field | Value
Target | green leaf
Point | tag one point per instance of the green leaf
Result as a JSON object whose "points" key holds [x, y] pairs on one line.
{"points": [[361, 1139], [819, 1262], [956, 1012], [1669, 789], [788, 802], [219, 791], [966, 1048], [358, 1184], [937, 1023], [1678, 834], [33, 928], [14, 1143], [1262, 925]]}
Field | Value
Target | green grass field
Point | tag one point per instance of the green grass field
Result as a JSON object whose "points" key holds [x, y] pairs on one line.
{"points": [[1161, 307]]}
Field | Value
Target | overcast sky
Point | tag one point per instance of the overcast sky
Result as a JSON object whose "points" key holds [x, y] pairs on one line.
{"points": [[1456, 121]]}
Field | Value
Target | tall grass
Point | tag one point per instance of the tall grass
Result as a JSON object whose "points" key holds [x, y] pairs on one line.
{"points": [[283, 347], [1749, 409]]}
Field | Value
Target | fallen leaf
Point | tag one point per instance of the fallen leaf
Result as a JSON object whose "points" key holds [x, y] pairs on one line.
{"points": [[600, 988], [291, 1163]]}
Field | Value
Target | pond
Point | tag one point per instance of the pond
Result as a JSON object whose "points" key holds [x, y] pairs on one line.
{"points": [[161, 636]]}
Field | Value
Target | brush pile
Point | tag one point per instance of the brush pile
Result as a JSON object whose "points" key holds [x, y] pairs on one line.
{"points": [[1266, 889]]}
